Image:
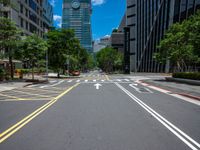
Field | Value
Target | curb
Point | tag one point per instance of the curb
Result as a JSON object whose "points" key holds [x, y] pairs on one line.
{"points": [[33, 83], [182, 94], [186, 81]]}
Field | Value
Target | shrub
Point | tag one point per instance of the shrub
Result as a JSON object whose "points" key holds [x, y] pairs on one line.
{"points": [[187, 75], [2, 74]]}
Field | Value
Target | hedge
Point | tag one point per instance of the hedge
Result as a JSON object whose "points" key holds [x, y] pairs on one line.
{"points": [[187, 75]]}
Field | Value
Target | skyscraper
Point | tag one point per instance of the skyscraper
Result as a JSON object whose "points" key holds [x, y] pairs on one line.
{"points": [[77, 16], [148, 20]]}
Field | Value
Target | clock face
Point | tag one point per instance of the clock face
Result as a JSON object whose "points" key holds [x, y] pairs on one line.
{"points": [[75, 4]]}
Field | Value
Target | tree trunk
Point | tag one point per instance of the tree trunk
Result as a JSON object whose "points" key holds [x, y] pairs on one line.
{"points": [[32, 71], [11, 67], [58, 75]]}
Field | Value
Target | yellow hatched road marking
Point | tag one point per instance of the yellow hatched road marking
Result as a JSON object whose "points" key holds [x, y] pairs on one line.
{"points": [[32, 94], [13, 129], [107, 78], [16, 100], [48, 91], [13, 97]]}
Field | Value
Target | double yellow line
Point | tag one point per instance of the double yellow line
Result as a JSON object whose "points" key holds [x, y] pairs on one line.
{"points": [[13, 129]]}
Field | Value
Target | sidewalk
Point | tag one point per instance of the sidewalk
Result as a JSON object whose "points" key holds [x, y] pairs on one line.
{"points": [[187, 90], [9, 85]]}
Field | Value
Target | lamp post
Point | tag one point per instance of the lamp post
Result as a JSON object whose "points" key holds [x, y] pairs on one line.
{"points": [[47, 72]]}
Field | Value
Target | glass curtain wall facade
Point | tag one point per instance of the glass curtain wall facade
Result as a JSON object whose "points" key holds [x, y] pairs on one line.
{"points": [[31, 16], [152, 19], [77, 16]]}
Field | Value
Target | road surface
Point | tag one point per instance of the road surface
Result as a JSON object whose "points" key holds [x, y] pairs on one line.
{"points": [[96, 112]]}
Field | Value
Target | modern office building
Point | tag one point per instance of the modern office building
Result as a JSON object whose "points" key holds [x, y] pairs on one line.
{"points": [[147, 21], [31, 16], [117, 36], [77, 16]]}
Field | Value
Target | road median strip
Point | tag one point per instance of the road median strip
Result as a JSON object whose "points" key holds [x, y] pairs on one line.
{"points": [[13, 129]]}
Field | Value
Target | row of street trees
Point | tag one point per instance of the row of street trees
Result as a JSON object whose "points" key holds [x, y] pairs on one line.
{"points": [[109, 60], [61, 45], [180, 45]]}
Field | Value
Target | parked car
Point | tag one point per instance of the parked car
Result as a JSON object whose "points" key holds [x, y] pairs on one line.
{"points": [[74, 73]]}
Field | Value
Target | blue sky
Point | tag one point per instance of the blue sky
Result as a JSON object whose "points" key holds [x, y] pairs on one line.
{"points": [[106, 15]]}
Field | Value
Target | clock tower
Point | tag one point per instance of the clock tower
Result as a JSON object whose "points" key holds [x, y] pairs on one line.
{"points": [[77, 16]]}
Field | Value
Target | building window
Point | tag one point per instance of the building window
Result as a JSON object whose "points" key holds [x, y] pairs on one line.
{"points": [[21, 8], [33, 5], [26, 12], [32, 28], [22, 22], [26, 25]]}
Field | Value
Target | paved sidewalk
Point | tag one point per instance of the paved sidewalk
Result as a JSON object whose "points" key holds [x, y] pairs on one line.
{"points": [[9, 85], [190, 90]]}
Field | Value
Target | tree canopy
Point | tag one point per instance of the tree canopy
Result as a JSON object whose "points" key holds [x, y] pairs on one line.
{"points": [[64, 49], [109, 59], [32, 51], [9, 39], [181, 44]]}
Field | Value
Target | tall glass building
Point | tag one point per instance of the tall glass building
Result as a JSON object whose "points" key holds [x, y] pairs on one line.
{"points": [[77, 16], [148, 20]]}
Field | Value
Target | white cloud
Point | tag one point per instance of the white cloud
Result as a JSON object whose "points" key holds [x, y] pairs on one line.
{"points": [[53, 2], [98, 2], [58, 20]]}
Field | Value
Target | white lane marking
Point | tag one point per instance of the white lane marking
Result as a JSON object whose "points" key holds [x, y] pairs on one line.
{"points": [[190, 100], [175, 130], [69, 81], [97, 86], [148, 90], [78, 81], [53, 81], [137, 89], [52, 84]]}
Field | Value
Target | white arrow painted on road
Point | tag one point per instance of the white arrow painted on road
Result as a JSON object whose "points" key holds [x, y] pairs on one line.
{"points": [[97, 85], [137, 89]]}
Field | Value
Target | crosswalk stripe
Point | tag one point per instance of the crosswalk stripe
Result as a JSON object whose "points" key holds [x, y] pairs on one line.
{"points": [[127, 80], [119, 80], [78, 80], [69, 81], [94, 80], [102, 80], [86, 80]]}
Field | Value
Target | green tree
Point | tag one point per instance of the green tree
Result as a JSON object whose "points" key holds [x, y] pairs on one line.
{"points": [[180, 44], [109, 59], [62, 46], [32, 51], [9, 39]]}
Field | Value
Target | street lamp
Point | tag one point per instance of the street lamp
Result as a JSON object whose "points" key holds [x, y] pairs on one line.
{"points": [[47, 72]]}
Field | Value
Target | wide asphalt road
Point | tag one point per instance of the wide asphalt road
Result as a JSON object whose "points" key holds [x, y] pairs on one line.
{"points": [[96, 112]]}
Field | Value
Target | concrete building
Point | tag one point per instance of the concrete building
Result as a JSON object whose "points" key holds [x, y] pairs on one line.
{"points": [[31, 16], [102, 43], [77, 16], [148, 20], [117, 36]]}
